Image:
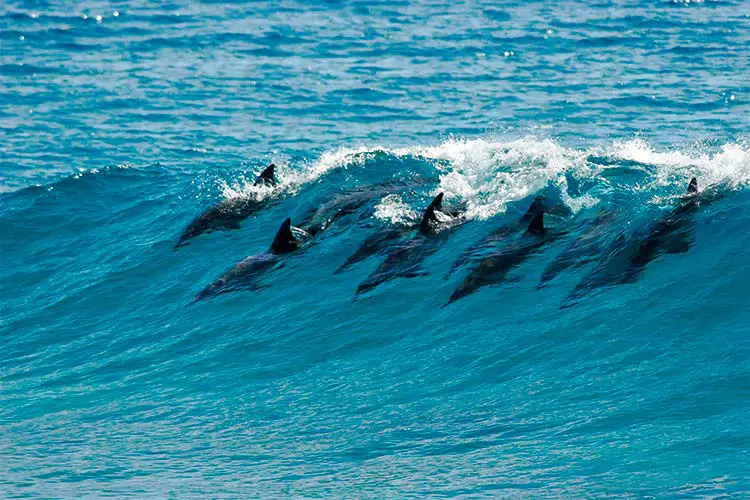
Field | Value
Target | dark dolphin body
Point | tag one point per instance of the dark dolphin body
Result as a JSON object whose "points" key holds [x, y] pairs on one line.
{"points": [[228, 214], [491, 240], [494, 268], [611, 269], [581, 251], [356, 201], [245, 275], [405, 259], [375, 244], [384, 239], [627, 259], [672, 234]]}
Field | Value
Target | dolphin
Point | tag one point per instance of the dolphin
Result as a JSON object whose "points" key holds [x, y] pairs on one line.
{"points": [[245, 275], [494, 268], [496, 235], [357, 201], [385, 238], [375, 244], [405, 259], [228, 214], [672, 234], [581, 251], [627, 258]]}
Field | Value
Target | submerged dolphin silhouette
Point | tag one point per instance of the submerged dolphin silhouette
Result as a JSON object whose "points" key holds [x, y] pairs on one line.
{"points": [[377, 243], [357, 201], [245, 275], [387, 237], [626, 259], [496, 235], [405, 259], [580, 252], [672, 234], [493, 269], [228, 213]]}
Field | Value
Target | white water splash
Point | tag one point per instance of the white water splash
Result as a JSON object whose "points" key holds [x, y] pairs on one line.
{"points": [[245, 188], [330, 160], [730, 164], [489, 174], [290, 178], [393, 209]]}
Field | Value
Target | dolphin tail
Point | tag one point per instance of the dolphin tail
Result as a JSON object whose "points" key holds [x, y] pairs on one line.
{"points": [[429, 216], [693, 186], [190, 232], [457, 294], [363, 288], [454, 267], [345, 266], [181, 242], [208, 291], [370, 284], [267, 177], [284, 242]]}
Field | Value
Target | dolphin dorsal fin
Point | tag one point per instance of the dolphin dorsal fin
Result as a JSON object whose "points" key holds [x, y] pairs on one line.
{"points": [[284, 242], [535, 207], [693, 186], [429, 216], [536, 226], [267, 177]]}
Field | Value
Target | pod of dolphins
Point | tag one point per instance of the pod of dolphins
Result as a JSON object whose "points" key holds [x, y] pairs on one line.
{"points": [[488, 262]]}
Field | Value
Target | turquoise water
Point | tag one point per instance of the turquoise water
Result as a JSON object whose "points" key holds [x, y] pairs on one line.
{"points": [[624, 371]]}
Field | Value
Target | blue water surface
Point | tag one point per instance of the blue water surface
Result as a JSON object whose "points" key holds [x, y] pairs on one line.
{"points": [[120, 122]]}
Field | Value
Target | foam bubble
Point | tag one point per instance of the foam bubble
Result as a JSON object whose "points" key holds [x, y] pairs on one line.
{"points": [[244, 187], [339, 158], [393, 209], [489, 174], [730, 164], [290, 179]]}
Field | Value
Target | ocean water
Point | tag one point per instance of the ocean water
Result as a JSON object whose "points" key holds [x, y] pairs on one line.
{"points": [[627, 374]]}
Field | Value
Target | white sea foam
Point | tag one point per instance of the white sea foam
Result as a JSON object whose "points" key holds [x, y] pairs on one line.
{"points": [[393, 209], [292, 178], [730, 164], [489, 174], [244, 187]]}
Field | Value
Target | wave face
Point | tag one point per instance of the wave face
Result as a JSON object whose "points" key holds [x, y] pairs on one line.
{"points": [[621, 371]]}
